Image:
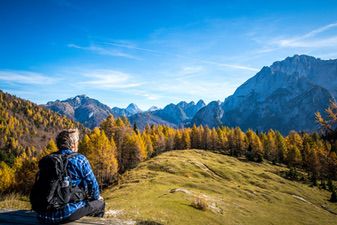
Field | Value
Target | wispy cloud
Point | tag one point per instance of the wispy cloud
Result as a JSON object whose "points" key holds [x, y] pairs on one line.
{"points": [[301, 43], [187, 70], [319, 30], [232, 66], [308, 39], [108, 79], [26, 77], [210, 62], [147, 95], [130, 45], [151, 96], [104, 51]]}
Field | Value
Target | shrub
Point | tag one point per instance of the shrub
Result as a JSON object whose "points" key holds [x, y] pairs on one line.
{"points": [[293, 174], [200, 203]]}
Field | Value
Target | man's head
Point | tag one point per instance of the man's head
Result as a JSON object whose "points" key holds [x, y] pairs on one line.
{"points": [[68, 139]]}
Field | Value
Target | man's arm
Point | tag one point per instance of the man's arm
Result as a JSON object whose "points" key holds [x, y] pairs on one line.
{"points": [[90, 180]]}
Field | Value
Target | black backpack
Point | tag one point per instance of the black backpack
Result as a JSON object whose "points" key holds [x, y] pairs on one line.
{"points": [[52, 188]]}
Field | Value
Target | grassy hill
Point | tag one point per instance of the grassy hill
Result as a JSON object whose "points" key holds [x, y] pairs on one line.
{"points": [[163, 189]]}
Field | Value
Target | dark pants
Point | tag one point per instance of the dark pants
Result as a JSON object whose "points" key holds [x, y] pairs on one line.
{"points": [[94, 208]]}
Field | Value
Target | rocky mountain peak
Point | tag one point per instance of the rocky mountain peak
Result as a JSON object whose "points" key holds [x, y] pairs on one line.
{"points": [[182, 104], [200, 103], [153, 108], [133, 108], [283, 96], [300, 64], [79, 98]]}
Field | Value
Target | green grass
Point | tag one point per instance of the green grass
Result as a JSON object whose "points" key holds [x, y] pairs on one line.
{"points": [[164, 188]]}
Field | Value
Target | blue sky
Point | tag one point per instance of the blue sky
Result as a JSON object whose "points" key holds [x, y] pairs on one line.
{"points": [[153, 52]]}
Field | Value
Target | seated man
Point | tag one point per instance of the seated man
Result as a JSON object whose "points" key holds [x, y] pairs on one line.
{"points": [[78, 175]]}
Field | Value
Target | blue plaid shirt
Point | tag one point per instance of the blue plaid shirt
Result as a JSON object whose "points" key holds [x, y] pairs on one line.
{"points": [[81, 175]]}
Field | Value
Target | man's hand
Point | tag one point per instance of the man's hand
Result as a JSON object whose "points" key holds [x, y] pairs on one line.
{"points": [[101, 198]]}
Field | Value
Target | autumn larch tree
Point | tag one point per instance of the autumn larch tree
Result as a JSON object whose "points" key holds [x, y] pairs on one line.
{"points": [[133, 151], [329, 125], [101, 152]]}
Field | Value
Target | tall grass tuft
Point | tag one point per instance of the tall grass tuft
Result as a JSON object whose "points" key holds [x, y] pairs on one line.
{"points": [[14, 201]]}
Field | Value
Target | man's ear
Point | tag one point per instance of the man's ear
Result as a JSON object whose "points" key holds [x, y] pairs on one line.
{"points": [[75, 147]]}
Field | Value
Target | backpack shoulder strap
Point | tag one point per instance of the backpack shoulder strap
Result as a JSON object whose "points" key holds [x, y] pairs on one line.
{"points": [[71, 155], [66, 157]]}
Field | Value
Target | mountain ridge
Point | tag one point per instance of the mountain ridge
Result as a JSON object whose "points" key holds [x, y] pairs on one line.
{"points": [[266, 100], [276, 97], [91, 112], [88, 111]]}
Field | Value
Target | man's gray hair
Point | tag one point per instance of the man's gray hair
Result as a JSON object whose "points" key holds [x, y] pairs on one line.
{"points": [[67, 138]]}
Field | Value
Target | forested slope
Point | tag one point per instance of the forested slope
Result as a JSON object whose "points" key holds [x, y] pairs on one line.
{"points": [[26, 131]]}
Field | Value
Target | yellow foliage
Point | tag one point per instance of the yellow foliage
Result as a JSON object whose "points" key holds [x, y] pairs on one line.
{"points": [[6, 177], [25, 168], [101, 152], [134, 151]]}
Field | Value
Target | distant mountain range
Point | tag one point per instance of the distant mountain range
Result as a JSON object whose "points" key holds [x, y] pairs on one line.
{"points": [[284, 96], [179, 115], [128, 111], [90, 112]]}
